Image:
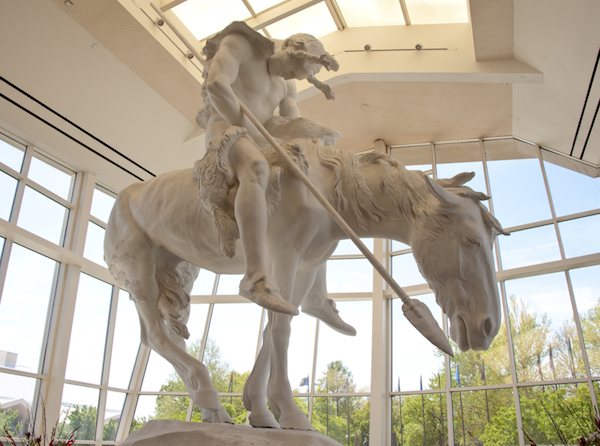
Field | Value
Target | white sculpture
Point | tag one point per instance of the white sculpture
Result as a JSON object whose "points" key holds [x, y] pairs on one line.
{"points": [[243, 63], [158, 235]]}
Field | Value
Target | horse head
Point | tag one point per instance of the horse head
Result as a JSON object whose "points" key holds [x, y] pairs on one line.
{"points": [[456, 260]]}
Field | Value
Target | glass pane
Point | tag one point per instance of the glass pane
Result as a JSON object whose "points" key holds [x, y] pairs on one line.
{"points": [[301, 352], [347, 247], [485, 417], [408, 425], [571, 191], [229, 284], [344, 419], [545, 339], [416, 363], [205, 283], [349, 276], [144, 411], [580, 236], [207, 17], [126, 343], [53, 179], [102, 204], [94, 244], [261, 5], [232, 353], [586, 289], [429, 12], [316, 21], [399, 246], [414, 157], [557, 412], [160, 374], [529, 247], [8, 186], [11, 155], [88, 335], [452, 159], [16, 402], [373, 13], [80, 408], [42, 216], [25, 303], [112, 415], [347, 357], [405, 270], [517, 185]]}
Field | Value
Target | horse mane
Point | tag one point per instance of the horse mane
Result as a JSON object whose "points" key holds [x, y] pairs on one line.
{"points": [[404, 187]]}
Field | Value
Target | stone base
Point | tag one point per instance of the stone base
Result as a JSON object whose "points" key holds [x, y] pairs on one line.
{"points": [[181, 433]]}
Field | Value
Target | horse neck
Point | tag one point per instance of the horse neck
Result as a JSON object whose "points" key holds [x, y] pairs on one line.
{"points": [[377, 196]]}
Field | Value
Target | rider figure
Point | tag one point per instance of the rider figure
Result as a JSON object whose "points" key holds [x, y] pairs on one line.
{"points": [[245, 64]]}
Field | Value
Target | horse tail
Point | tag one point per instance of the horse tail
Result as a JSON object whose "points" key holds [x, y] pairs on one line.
{"points": [[173, 300]]}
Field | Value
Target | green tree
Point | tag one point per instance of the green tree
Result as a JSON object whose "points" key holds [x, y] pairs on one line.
{"points": [[10, 422], [83, 417], [224, 379], [343, 418]]}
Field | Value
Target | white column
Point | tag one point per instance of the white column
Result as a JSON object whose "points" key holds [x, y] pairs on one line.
{"points": [[380, 406]]}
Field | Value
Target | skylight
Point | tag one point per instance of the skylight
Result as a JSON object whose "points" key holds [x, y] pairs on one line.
{"points": [[281, 19]]}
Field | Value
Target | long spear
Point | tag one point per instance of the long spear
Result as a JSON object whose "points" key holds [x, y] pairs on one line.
{"points": [[415, 311]]}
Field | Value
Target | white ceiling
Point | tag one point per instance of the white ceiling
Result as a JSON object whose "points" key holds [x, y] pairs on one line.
{"points": [[522, 69]]}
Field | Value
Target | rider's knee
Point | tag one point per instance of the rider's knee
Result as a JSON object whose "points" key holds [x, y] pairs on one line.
{"points": [[258, 170]]}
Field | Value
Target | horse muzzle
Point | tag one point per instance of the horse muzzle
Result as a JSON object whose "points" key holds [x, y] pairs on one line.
{"points": [[476, 333]]}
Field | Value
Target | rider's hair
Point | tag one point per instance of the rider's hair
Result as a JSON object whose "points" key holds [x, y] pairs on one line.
{"points": [[313, 56]]}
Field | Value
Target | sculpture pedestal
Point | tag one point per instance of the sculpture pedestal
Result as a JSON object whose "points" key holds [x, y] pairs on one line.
{"points": [[181, 433]]}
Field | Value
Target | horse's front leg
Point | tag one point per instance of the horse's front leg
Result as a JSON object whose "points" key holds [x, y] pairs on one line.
{"points": [[281, 397]]}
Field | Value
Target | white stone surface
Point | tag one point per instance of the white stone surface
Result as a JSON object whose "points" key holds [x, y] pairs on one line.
{"points": [[181, 433]]}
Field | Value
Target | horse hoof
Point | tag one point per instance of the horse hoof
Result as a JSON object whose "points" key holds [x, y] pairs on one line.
{"points": [[216, 416], [265, 420], [296, 422], [207, 399]]}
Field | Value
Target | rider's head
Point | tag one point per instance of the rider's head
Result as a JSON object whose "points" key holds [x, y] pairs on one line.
{"points": [[301, 56]]}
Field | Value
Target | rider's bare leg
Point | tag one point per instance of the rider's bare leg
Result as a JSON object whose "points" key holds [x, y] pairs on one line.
{"points": [[252, 172]]}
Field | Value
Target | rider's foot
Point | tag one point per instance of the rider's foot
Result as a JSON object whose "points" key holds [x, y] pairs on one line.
{"points": [[266, 295], [326, 311]]}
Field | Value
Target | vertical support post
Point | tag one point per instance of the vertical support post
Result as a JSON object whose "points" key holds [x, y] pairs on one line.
{"points": [[380, 406]]}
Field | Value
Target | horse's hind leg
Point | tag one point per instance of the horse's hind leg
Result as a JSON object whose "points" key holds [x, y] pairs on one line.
{"points": [[145, 291]]}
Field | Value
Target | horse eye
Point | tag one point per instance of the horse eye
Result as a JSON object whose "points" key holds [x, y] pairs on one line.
{"points": [[473, 241]]}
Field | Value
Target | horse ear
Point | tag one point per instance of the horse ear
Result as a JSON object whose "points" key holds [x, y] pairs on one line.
{"points": [[445, 197], [457, 180]]}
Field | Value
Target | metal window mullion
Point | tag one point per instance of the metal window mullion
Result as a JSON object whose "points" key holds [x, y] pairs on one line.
{"points": [[78, 223], [48, 193], [98, 222], [336, 14], [133, 393], [433, 160], [512, 362], [4, 256], [549, 195], [488, 188], [18, 199], [59, 339], [405, 12], [586, 364], [313, 378], [448, 389], [110, 333]]}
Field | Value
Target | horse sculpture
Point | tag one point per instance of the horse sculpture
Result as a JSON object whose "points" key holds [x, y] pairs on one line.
{"points": [[159, 234]]}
